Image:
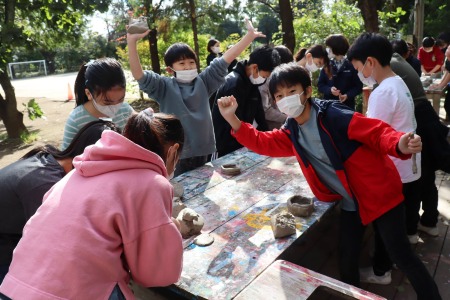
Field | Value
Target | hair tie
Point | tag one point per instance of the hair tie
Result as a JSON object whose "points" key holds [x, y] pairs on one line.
{"points": [[149, 113]]}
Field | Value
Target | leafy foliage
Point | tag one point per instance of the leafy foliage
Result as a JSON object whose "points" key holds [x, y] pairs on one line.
{"points": [[314, 26], [33, 109]]}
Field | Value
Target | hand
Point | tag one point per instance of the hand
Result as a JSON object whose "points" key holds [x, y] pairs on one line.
{"points": [[227, 106], [251, 30], [134, 37], [335, 91], [408, 145], [177, 223], [342, 98]]}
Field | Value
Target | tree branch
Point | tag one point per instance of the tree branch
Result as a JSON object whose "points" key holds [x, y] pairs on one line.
{"points": [[266, 3]]}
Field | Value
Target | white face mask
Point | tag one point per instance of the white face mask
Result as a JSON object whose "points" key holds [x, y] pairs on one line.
{"points": [[291, 105], [369, 81], [330, 53], [311, 67], [258, 80], [107, 110], [185, 76], [215, 50]]}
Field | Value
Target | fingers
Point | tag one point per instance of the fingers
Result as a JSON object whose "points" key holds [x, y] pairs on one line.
{"points": [[414, 143], [226, 101]]}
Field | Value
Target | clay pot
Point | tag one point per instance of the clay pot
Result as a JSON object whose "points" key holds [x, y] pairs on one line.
{"points": [[300, 206], [230, 169]]}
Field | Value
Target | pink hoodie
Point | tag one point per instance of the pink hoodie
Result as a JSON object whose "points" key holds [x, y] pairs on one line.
{"points": [[110, 215]]}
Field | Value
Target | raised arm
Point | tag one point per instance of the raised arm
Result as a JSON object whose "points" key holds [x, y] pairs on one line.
{"points": [[240, 46], [133, 56]]}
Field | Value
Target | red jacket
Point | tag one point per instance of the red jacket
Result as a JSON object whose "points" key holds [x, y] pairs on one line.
{"points": [[357, 148]]}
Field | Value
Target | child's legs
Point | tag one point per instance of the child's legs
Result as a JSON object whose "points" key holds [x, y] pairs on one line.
{"points": [[429, 196], [350, 238], [190, 163], [391, 227], [381, 260], [412, 193]]}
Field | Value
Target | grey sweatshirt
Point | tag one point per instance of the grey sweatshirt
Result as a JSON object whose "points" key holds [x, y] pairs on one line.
{"points": [[190, 103]]}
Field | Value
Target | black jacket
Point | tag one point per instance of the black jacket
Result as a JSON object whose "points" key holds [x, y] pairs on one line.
{"points": [[345, 79], [249, 108]]}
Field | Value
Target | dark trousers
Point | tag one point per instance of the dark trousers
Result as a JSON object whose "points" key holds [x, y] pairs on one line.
{"points": [[412, 193], [190, 163], [390, 235], [429, 198]]}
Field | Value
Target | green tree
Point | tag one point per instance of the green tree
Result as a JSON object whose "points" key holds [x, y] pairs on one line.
{"points": [[62, 16]]}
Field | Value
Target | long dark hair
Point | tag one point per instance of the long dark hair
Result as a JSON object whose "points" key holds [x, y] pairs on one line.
{"points": [[98, 77], [154, 131], [89, 134]]}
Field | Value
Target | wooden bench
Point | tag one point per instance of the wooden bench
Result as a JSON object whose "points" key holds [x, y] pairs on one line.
{"points": [[285, 280]]}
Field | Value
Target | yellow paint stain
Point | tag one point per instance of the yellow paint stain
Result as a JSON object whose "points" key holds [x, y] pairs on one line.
{"points": [[257, 221]]}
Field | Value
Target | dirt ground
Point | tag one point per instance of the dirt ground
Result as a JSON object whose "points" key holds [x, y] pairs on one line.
{"points": [[48, 130]]}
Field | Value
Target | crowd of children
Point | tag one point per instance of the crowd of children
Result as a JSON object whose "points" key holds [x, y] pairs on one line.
{"points": [[371, 164]]}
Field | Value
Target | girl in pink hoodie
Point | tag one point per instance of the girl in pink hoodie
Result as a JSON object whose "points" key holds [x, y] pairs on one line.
{"points": [[106, 221]]}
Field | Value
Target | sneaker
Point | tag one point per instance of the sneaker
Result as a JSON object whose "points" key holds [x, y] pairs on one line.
{"points": [[367, 275], [413, 239], [433, 231]]}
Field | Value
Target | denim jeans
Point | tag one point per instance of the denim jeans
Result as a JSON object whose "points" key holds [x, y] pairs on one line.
{"points": [[190, 163], [116, 294], [390, 232]]}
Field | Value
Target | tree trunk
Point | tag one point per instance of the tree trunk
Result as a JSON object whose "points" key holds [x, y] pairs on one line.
{"points": [[193, 17], [152, 16], [153, 43], [370, 14], [287, 24], [12, 118], [49, 57]]}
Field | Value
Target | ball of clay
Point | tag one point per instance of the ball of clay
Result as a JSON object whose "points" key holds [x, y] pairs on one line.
{"points": [[300, 206], [283, 224], [191, 222]]}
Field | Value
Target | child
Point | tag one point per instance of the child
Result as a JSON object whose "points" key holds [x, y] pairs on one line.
{"points": [[186, 95], [24, 183], [392, 103], [244, 83], [101, 225], [99, 93], [343, 156], [430, 56], [313, 58], [340, 81], [274, 117]]}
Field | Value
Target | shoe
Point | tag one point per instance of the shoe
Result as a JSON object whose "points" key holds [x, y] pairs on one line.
{"points": [[433, 231], [413, 239], [367, 275]]}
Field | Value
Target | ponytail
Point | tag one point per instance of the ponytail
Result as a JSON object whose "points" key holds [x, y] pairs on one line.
{"points": [[154, 132]]}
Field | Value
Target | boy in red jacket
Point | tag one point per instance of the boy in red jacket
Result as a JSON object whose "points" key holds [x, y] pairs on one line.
{"points": [[343, 156]]}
